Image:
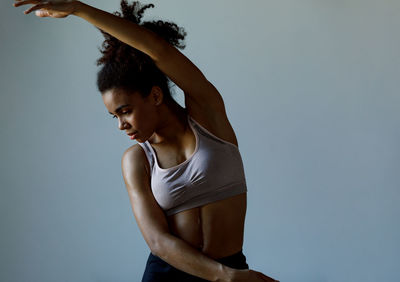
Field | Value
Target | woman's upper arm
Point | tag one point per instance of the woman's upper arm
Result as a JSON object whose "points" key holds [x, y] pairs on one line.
{"points": [[200, 93], [148, 214]]}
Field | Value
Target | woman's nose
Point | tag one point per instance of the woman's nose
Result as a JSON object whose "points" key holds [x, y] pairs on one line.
{"points": [[122, 124]]}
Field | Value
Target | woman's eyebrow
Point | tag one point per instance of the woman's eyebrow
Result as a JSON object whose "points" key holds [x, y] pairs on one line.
{"points": [[119, 109]]}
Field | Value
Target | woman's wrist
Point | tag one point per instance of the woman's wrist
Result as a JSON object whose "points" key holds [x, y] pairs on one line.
{"points": [[227, 274], [78, 7]]}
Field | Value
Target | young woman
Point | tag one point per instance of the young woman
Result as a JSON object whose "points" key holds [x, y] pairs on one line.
{"points": [[184, 177]]}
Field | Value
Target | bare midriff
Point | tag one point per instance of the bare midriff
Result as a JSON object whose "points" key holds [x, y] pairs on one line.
{"points": [[216, 229]]}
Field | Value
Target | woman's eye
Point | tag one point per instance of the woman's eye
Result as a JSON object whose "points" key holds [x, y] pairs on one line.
{"points": [[127, 112]]}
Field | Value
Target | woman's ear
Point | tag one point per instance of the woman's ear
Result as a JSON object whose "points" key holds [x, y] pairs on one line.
{"points": [[157, 95]]}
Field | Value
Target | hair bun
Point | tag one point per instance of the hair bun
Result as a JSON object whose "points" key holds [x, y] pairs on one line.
{"points": [[170, 32], [133, 12]]}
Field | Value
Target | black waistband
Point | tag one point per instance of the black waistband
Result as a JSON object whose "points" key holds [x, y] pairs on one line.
{"points": [[237, 260]]}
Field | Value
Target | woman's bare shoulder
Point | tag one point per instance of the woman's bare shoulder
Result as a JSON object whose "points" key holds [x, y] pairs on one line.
{"points": [[133, 156]]}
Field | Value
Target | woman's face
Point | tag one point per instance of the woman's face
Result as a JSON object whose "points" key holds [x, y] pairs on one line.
{"points": [[136, 115]]}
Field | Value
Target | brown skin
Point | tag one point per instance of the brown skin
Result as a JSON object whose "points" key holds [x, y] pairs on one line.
{"points": [[191, 239], [165, 127], [202, 230]]}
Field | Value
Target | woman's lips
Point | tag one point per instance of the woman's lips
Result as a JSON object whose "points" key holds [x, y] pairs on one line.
{"points": [[133, 136]]}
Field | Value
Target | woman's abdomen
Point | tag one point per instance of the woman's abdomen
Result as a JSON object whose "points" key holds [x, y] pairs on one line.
{"points": [[216, 229]]}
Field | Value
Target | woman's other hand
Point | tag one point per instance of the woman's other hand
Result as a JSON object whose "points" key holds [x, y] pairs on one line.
{"points": [[54, 9], [248, 275]]}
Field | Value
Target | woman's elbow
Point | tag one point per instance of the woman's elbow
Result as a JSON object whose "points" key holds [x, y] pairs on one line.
{"points": [[158, 244]]}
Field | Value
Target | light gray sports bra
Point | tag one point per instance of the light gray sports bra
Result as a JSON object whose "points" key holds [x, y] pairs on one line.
{"points": [[213, 172]]}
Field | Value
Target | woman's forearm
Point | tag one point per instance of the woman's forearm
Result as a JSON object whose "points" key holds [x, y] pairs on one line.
{"points": [[184, 257], [124, 30]]}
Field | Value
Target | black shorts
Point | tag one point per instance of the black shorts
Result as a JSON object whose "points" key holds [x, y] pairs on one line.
{"points": [[159, 270]]}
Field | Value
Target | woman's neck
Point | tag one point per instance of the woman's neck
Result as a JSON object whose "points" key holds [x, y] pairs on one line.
{"points": [[172, 124]]}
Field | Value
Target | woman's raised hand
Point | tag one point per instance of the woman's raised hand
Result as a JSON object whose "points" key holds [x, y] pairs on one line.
{"points": [[54, 9]]}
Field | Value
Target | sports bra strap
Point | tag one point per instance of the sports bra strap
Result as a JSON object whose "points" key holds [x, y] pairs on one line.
{"points": [[149, 155]]}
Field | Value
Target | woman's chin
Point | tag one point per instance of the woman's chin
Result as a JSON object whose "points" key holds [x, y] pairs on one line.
{"points": [[139, 139]]}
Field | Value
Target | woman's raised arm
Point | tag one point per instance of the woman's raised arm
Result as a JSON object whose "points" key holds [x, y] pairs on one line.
{"points": [[200, 94]]}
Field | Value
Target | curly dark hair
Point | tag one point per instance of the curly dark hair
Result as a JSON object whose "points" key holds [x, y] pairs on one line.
{"points": [[126, 67]]}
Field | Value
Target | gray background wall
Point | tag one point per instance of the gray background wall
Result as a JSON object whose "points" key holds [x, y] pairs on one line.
{"points": [[311, 88]]}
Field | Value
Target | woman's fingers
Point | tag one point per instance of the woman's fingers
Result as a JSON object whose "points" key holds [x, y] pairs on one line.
{"points": [[37, 7], [19, 2], [54, 9]]}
